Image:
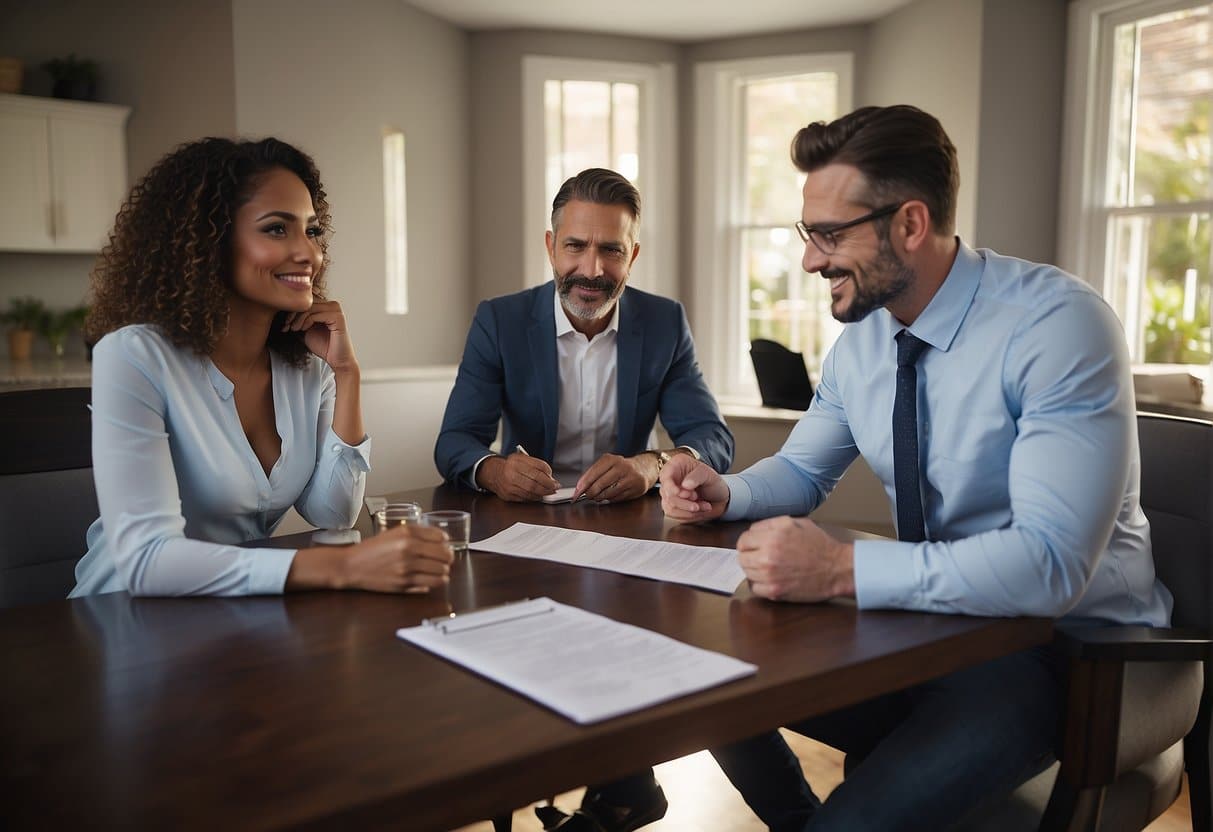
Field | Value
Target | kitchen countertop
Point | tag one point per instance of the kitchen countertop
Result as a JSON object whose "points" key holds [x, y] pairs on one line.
{"points": [[72, 371]]}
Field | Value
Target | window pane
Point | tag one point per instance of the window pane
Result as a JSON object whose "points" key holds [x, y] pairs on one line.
{"points": [[1163, 76], [626, 130], [785, 304], [587, 125], [395, 221], [1160, 287], [774, 110]]}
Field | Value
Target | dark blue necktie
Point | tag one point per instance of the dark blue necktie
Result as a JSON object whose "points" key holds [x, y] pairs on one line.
{"points": [[905, 439]]}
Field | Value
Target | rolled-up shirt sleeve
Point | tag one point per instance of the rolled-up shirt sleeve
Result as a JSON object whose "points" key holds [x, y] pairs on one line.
{"points": [[333, 496]]}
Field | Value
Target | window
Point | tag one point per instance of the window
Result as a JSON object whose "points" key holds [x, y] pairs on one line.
{"points": [[580, 114], [746, 249], [1145, 202], [395, 220]]}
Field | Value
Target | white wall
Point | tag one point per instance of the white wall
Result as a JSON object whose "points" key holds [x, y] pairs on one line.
{"points": [[929, 54], [330, 77]]}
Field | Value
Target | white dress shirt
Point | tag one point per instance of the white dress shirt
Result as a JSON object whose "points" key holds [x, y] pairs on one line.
{"points": [[589, 407], [179, 485]]}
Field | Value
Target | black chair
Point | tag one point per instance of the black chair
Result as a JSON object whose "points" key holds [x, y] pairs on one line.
{"points": [[783, 380], [47, 497], [1138, 704]]}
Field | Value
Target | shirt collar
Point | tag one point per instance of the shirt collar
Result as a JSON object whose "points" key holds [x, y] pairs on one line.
{"points": [[224, 386], [564, 326], [941, 320]]}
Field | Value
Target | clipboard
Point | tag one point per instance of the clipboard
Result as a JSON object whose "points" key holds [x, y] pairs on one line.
{"points": [[604, 668]]}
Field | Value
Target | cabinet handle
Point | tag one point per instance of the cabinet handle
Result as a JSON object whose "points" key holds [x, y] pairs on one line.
{"points": [[60, 218], [50, 218]]}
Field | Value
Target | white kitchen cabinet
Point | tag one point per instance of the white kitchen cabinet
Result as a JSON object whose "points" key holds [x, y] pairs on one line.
{"points": [[62, 173]]}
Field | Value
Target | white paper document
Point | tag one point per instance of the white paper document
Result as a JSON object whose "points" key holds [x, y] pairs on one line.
{"points": [[560, 495], [706, 567], [584, 666]]}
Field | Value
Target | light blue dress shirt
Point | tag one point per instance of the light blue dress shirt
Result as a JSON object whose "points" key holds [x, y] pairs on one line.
{"points": [[1028, 452], [178, 483]]}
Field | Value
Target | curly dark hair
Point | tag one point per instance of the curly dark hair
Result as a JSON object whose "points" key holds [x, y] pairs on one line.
{"points": [[169, 258]]}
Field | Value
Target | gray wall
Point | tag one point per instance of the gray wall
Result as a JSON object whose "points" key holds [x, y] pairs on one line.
{"points": [[1023, 63], [496, 77], [929, 54], [332, 76], [170, 62]]}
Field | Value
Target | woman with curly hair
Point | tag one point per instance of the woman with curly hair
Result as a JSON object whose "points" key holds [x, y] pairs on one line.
{"points": [[225, 389]]}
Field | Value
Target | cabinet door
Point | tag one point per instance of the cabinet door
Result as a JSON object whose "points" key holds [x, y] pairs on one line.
{"points": [[25, 208], [88, 180]]}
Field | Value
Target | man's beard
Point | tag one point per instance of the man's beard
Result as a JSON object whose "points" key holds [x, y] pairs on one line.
{"points": [[587, 311], [885, 279]]}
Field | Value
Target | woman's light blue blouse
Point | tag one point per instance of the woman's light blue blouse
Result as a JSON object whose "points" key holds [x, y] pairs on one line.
{"points": [[179, 485]]}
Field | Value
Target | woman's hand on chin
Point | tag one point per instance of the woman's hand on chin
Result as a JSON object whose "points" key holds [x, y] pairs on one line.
{"points": [[326, 334]]}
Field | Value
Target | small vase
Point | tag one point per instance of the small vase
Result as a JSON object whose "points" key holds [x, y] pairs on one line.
{"points": [[20, 344]]}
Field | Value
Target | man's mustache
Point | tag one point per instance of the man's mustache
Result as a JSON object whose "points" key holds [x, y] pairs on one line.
{"points": [[831, 273], [595, 284]]}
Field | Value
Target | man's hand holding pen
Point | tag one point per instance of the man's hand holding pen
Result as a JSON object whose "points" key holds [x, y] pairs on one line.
{"points": [[518, 477]]}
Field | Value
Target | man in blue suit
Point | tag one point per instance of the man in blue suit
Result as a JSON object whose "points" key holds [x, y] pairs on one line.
{"points": [[579, 369]]}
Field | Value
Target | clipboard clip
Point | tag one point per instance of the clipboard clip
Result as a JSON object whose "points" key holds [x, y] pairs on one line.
{"points": [[459, 622]]}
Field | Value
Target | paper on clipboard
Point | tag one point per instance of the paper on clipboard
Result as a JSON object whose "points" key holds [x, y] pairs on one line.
{"points": [[606, 668]]}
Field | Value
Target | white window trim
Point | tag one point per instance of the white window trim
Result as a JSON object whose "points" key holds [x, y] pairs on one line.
{"points": [[717, 194], [1082, 218], [656, 269]]}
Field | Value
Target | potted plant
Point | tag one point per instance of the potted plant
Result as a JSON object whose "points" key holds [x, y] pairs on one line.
{"points": [[56, 326], [24, 317], [73, 78]]}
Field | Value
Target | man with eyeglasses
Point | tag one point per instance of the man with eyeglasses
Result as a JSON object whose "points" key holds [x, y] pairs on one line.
{"points": [[992, 397]]}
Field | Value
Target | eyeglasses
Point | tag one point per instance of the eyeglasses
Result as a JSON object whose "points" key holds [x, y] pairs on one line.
{"points": [[823, 237]]}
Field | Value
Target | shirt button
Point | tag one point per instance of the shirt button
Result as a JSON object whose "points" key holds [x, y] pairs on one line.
{"points": [[336, 448]]}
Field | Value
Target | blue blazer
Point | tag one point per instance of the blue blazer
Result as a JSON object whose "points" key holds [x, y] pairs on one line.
{"points": [[509, 371]]}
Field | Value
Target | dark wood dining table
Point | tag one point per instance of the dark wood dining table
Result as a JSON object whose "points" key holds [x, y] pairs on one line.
{"points": [[307, 710]]}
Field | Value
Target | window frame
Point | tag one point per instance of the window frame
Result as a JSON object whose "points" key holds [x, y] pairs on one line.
{"points": [[1084, 217], [719, 197], [656, 270]]}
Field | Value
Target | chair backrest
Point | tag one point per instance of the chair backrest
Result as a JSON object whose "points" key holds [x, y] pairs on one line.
{"points": [[47, 497], [783, 380], [1177, 496]]}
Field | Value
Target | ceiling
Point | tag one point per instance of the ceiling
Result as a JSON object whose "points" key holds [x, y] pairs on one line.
{"points": [[668, 20]]}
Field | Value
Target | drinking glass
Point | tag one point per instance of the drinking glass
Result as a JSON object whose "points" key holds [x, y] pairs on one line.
{"points": [[456, 524], [397, 514]]}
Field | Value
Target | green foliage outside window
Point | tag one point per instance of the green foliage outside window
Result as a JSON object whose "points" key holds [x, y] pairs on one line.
{"points": [[1169, 338], [1178, 243]]}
